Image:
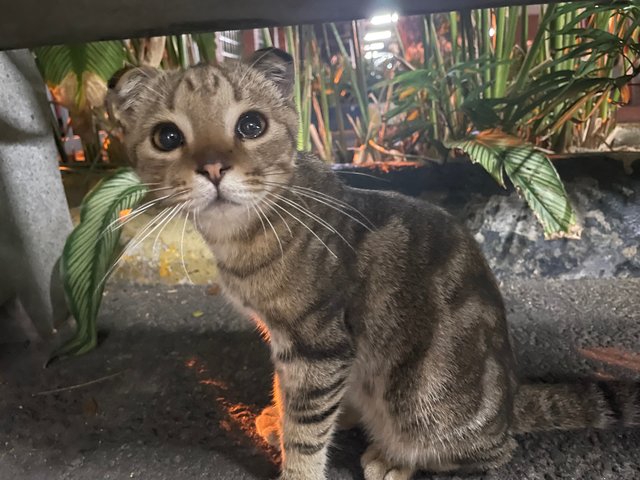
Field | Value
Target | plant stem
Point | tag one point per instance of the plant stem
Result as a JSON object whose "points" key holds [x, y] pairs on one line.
{"points": [[353, 78], [501, 68], [291, 48], [486, 43], [360, 69], [324, 106], [183, 51], [524, 28], [453, 26], [266, 37], [425, 41], [536, 45]]}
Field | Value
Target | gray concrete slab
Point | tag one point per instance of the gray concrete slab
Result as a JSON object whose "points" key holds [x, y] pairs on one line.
{"points": [[187, 377], [34, 216]]}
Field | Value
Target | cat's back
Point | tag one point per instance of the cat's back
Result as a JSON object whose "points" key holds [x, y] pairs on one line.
{"points": [[422, 256], [398, 236], [420, 226]]}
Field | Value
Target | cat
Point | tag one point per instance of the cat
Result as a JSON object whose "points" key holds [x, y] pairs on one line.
{"points": [[377, 307]]}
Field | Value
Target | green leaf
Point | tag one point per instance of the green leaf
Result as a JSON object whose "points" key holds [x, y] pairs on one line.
{"points": [[207, 47], [482, 112], [484, 154], [532, 174], [89, 250], [59, 61]]}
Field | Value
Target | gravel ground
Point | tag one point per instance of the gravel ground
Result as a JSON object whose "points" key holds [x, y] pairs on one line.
{"points": [[179, 378]]}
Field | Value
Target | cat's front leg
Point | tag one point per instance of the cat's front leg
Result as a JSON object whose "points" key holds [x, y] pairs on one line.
{"points": [[309, 418], [312, 379]]}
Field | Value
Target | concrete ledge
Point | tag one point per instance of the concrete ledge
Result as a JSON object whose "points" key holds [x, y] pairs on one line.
{"points": [[70, 21]]}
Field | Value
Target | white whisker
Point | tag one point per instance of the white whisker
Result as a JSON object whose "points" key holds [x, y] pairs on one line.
{"points": [[303, 224], [274, 230], [312, 215], [362, 175], [123, 220], [128, 248], [264, 229], [159, 189], [196, 219], [334, 207], [250, 67], [165, 221], [337, 202], [184, 266], [173, 212], [283, 221]]}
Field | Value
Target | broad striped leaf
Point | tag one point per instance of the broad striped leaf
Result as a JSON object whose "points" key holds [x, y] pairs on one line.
{"points": [[532, 174], [89, 250], [78, 61], [101, 58]]}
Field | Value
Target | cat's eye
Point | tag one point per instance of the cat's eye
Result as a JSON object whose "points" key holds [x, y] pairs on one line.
{"points": [[167, 137], [251, 125]]}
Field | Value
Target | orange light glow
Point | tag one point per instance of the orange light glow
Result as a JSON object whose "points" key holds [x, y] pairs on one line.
{"points": [[338, 75], [214, 383], [261, 327], [124, 213], [407, 93], [239, 416]]}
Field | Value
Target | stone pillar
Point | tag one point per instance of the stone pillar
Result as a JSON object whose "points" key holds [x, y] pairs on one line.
{"points": [[34, 216]]}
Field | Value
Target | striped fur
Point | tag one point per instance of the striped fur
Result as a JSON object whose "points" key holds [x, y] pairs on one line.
{"points": [[373, 302]]}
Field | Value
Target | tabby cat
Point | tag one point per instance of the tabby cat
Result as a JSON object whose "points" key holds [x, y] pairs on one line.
{"points": [[376, 306]]}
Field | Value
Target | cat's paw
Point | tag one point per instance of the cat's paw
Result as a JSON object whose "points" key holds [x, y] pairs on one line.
{"points": [[376, 467], [268, 426]]}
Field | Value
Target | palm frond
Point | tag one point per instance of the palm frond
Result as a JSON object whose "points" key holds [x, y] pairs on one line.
{"points": [[532, 174]]}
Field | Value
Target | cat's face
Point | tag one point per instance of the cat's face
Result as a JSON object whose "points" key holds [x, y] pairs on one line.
{"points": [[219, 140]]}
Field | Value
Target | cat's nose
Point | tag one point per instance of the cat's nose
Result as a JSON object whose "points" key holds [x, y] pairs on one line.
{"points": [[214, 171]]}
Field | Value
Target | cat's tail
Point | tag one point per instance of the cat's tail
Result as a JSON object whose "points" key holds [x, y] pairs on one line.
{"points": [[604, 405]]}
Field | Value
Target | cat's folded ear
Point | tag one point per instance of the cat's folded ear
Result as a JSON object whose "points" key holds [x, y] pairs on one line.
{"points": [[277, 66], [128, 88]]}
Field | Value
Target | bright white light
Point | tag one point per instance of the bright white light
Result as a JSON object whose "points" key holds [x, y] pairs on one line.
{"points": [[384, 19], [492, 32], [377, 55], [373, 46], [377, 36]]}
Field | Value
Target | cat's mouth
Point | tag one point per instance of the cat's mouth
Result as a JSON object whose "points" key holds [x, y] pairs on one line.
{"points": [[220, 201]]}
